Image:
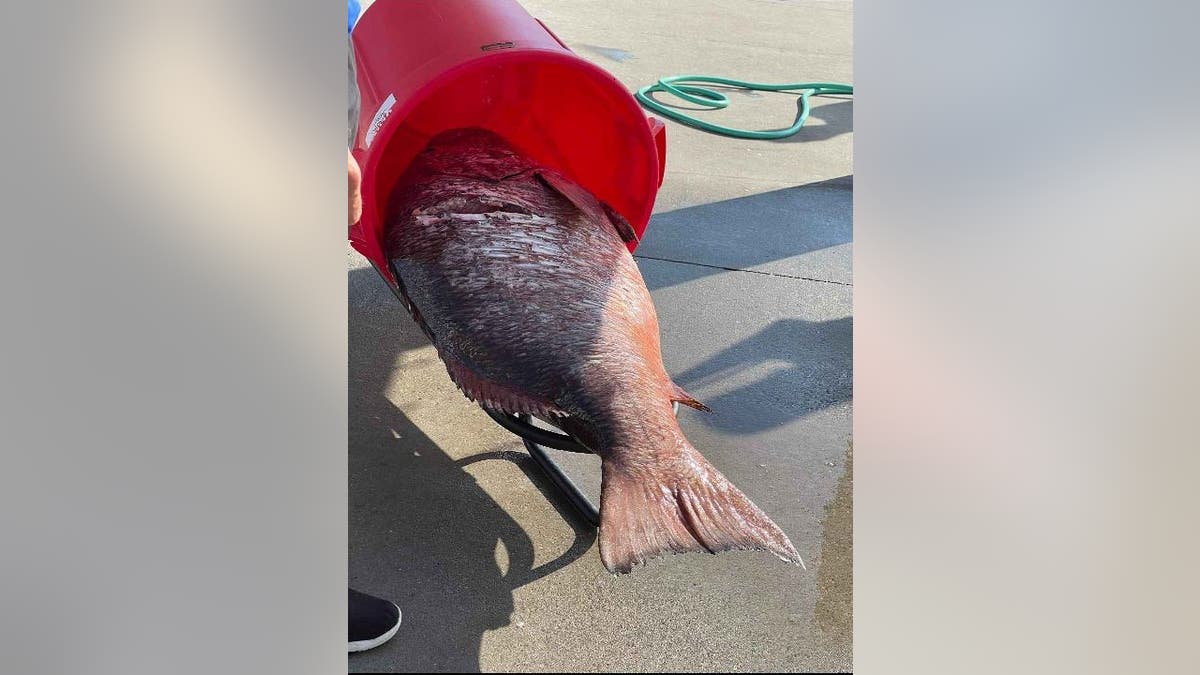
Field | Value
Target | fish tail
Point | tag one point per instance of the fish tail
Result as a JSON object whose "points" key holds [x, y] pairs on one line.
{"points": [[687, 506]]}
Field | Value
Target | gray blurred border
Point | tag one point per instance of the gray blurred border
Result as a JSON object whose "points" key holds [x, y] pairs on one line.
{"points": [[174, 401], [174, 413], [1025, 336]]}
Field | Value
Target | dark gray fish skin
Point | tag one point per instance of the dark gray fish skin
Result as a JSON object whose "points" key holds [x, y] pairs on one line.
{"points": [[524, 283]]}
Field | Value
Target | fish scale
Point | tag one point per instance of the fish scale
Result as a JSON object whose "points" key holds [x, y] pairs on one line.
{"points": [[525, 284]]}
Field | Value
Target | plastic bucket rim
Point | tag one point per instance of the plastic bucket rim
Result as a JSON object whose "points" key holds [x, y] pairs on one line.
{"points": [[370, 224]]}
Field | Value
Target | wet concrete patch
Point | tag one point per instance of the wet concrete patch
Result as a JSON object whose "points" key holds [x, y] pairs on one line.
{"points": [[834, 612]]}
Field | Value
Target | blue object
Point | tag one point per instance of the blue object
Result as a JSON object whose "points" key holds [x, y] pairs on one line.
{"points": [[355, 10]]}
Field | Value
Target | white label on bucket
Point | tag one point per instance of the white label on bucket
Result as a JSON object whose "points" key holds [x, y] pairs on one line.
{"points": [[380, 116]]}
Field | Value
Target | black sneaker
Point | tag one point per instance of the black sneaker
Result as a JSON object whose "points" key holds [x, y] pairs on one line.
{"points": [[373, 621]]}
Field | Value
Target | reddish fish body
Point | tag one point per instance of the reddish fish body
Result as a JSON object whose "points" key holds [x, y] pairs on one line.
{"points": [[525, 285]]}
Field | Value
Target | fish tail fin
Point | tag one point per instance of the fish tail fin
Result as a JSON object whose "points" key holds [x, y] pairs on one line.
{"points": [[687, 506]]}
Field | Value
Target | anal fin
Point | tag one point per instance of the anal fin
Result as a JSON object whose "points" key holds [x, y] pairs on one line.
{"points": [[678, 394], [498, 397]]}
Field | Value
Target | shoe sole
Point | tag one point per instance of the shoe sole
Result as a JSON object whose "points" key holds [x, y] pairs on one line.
{"points": [[364, 645]]}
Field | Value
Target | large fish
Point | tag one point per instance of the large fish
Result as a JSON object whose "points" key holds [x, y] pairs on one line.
{"points": [[524, 283]]}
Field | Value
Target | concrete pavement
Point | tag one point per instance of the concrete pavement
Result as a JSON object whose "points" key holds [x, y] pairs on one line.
{"points": [[748, 260]]}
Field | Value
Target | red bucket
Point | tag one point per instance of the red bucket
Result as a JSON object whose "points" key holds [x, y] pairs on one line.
{"points": [[426, 66]]}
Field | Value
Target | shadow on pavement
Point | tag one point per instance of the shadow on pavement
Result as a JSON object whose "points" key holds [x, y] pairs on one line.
{"points": [[792, 367], [809, 366], [747, 232], [838, 118], [423, 533]]}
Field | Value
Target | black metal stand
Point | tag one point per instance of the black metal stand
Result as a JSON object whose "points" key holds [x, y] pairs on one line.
{"points": [[536, 440]]}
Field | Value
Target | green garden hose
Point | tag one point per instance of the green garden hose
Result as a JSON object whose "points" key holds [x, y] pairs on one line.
{"points": [[683, 87]]}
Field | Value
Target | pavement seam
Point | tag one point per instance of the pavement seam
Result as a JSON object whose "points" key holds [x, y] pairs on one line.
{"points": [[834, 183], [736, 269]]}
